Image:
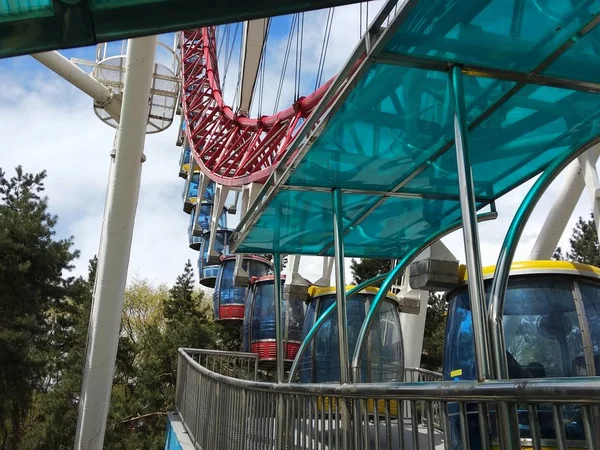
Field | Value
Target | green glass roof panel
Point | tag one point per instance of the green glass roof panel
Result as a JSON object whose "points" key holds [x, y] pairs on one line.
{"points": [[399, 224], [29, 26], [581, 61], [395, 119], [11, 9], [517, 141], [394, 131], [300, 222], [504, 34]]}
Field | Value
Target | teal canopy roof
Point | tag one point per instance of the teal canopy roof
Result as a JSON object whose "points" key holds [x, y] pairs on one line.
{"points": [[30, 26], [531, 91]]}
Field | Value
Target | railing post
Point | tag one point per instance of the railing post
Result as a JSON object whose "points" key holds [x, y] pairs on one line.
{"points": [[280, 420], [471, 242]]}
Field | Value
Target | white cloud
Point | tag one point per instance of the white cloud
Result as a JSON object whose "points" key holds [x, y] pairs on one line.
{"points": [[49, 125]]}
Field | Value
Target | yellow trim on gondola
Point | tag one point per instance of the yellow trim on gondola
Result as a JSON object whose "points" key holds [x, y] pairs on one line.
{"points": [[318, 291], [323, 405], [185, 168], [538, 267]]}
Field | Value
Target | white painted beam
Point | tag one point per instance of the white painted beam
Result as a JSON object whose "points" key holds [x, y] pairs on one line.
{"points": [[115, 247], [562, 210], [253, 38], [101, 95]]}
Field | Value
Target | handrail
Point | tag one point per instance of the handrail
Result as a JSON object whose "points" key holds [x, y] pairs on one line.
{"points": [[579, 390], [426, 372]]}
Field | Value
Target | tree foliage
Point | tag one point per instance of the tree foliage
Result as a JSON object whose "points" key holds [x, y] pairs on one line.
{"points": [[44, 315], [32, 293], [156, 322], [367, 268], [584, 244]]}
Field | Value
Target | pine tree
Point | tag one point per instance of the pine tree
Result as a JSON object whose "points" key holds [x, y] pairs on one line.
{"points": [[181, 296], [584, 244], [367, 268], [32, 262], [53, 417], [435, 328]]}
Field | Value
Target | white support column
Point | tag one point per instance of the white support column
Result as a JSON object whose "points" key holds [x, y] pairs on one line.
{"points": [[413, 325], [325, 279], [202, 186], [115, 245], [587, 161], [232, 209], [254, 36], [564, 205], [295, 285], [249, 194], [221, 192], [101, 95], [293, 266]]}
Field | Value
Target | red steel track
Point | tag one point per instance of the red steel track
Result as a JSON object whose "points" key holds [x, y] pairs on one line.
{"points": [[230, 148]]}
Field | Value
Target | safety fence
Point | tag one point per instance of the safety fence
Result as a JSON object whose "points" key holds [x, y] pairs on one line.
{"points": [[232, 364], [221, 412]]}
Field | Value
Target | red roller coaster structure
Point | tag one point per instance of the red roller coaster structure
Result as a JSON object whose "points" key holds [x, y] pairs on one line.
{"points": [[230, 148]]}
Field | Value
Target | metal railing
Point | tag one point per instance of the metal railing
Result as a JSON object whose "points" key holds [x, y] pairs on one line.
{"points": [[221, 412], [419, 375], [240, 365]]}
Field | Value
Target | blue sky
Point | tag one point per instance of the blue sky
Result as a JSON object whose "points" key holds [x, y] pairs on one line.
{"points": [[46, 123]]}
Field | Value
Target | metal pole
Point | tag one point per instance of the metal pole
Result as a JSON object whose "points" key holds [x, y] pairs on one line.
{"points": [[278, 327], [60, 65], [280, 422], [470, 233], [115, 245], [340, 293], [471, 242]]}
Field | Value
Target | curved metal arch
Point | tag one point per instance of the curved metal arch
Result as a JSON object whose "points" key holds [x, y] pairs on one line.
{"points": [[507, 253], [392, 275], [231, 148], [323, 317]]}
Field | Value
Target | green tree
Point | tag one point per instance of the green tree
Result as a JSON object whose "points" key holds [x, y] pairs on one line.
{"points": [[156, 322], [32, 262], [584, 244], [53, 417], [367, 268], [435, 329]]}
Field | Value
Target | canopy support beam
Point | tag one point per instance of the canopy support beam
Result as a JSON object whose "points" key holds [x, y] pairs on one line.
{"points": [[340, 294], [468, 208]]}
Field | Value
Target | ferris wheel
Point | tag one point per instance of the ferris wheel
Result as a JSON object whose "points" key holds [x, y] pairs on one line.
{"points": [[247, 88], [249, 95]]}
